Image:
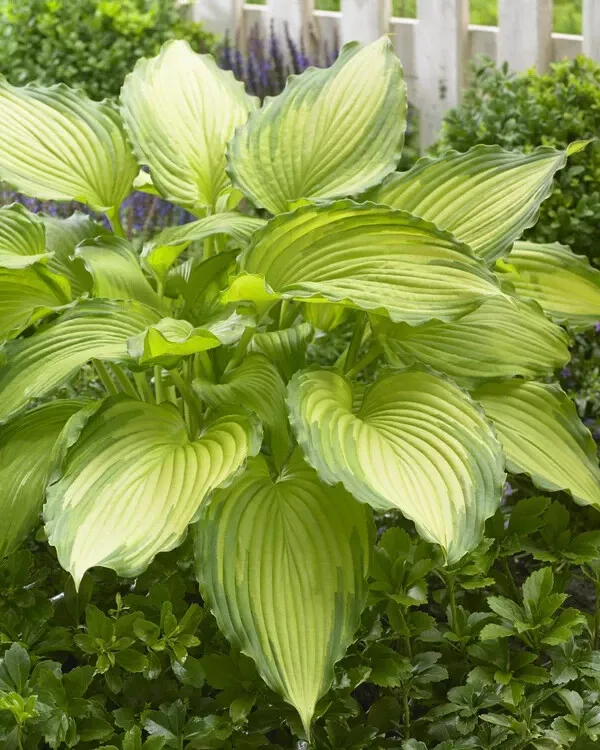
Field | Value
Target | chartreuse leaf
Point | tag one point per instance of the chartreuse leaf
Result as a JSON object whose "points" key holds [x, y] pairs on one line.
{"points": [[22, 241], [164, 248], [62, 237], [364, 256], [286, 347], [166, 341], [257, 384], [115, 269], [502, 338], [55, 143], [486, 197], [27, 295], [543, 437], [325, 317], [282, 562], [564, 284], [132, 481], [332, 132], [97, 329], [180, 110], [26, 446], [413, 442]]}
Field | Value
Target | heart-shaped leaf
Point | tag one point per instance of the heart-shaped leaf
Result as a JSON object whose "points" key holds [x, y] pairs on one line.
{"points": [[486, 197], [414, 442], [180, 110], [502, 338], [22, 241], [543, 436], [56, 144], [282, 563], [331, 133], [364, 256], [132, 480]]}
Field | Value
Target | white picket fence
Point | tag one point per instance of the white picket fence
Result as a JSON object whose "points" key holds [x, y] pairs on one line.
{"points": [[435, 48]]}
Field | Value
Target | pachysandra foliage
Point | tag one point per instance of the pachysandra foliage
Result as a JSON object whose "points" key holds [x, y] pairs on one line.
{"points": [[211, 413]]}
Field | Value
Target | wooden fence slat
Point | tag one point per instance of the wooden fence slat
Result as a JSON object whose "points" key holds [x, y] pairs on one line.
{"points": [[365, 20], [525, 33], [297, 14], [440, 50], [591, 28], [219, 16]]}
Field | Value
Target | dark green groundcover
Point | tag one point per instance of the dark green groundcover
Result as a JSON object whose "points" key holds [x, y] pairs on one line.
{"points": [[500, 652]]}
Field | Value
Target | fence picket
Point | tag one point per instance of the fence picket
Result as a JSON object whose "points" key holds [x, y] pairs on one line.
{"points": [[591, 28], [525, 33], [440, 49], [365, 20], [297, 14]]}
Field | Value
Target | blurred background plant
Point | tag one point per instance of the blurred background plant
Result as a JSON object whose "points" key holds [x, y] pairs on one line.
{"points": [[91, 44], [525, 111]]}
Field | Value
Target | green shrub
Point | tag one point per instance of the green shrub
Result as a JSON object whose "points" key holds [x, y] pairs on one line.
{"points": [[92, 44], [526, 111]]}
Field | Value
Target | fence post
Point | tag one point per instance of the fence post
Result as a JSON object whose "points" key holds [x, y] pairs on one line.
{"points": [[219, 16], [525, 33], [440, 49], [591, 29], [365, 20], [297, 14]]}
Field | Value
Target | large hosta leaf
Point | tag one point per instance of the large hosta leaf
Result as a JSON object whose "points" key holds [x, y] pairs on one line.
{"points": [[26, 446], [331, 133], [486, 197], [257, 384], [180, 109], [286, 347], [500, 339], [170, 339], [163, 250], [55, 143], [365, 256], [133, 481], [62, 237], [27, 295], [564, 284], [36, 365], [116, 271], [543, 436], [282, 563], [414, 442], [22, 241]]}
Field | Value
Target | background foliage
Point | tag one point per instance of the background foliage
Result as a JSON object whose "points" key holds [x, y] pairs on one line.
{"points": [[525, 111], [91, 44]]}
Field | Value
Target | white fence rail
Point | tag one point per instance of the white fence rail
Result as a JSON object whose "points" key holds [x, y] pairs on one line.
{"points": [[434, 48]]}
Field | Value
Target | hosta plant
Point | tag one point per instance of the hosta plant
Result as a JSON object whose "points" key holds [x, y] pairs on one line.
{"points": [[211, 422]]}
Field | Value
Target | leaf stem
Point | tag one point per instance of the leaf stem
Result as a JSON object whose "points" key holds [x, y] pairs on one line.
{"points": [[143, 387], [406, 712], [123, 380], [159, 386], [511, 581], [355, 341], [105, 378], [190, 400], [114, 216], [240, 349], [373, 353]]}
